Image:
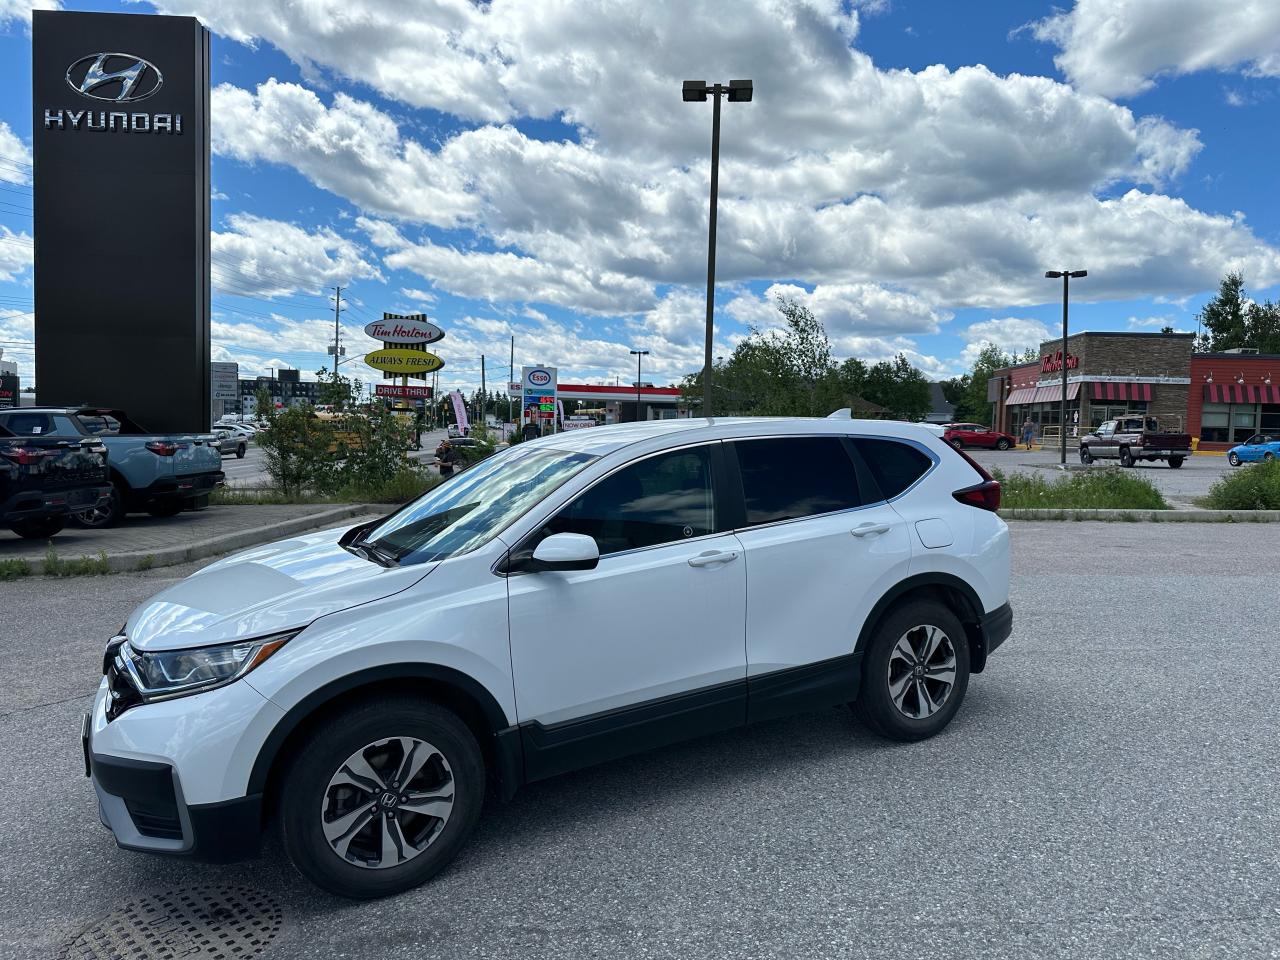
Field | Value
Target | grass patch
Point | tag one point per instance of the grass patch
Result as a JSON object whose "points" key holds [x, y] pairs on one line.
{"points": [[1092, 490], [14, 569], [146, 563], [55, 566], [400, 488], [1254, 487]]}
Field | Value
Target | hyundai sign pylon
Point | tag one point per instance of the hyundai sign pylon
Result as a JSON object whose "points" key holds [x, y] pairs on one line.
{"points": [[121, 137]]}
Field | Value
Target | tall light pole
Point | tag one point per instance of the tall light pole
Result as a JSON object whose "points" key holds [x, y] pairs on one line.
{"points": [[638, 354], [1067, 276], [696, 91]]}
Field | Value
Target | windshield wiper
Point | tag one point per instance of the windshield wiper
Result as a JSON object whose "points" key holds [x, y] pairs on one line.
{"points": [[367, 551]]}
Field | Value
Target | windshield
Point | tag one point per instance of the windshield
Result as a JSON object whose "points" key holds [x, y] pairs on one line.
{"points": [[469, 509]]}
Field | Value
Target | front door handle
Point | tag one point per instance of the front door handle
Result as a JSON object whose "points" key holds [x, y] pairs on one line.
{"points": [[869, 529], [715, 556]]}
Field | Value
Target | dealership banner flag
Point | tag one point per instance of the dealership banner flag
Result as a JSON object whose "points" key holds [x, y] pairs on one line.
{"points": [[459, 410]]}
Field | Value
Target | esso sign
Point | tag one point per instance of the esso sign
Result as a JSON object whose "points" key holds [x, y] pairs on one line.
{"points": [[539, 378]]}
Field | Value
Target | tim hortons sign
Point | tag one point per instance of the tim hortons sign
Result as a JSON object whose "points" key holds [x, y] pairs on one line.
{"points": [[397, 328], [1052, 363]]}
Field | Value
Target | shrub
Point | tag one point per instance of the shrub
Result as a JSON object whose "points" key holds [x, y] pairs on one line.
{"points": [[1255, 487], [13, 569], [55, 566], [1095, 490]]}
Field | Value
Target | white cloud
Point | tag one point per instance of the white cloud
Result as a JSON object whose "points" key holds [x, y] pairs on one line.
{"points": [[1118, 47], [20, 10], [16, 253], [270, 258], [1013, 335], [15, 155]]}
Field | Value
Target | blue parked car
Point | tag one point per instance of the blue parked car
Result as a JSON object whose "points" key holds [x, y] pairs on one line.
{"points": [[1258, 447]]}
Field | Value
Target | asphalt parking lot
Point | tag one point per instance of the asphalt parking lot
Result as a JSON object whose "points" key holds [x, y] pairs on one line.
{"points": [[1108, 790]]}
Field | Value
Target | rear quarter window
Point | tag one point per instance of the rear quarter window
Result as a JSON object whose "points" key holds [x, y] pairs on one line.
{"points": [[894, 464]]}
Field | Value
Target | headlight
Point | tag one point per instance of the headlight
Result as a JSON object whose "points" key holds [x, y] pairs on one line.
{"points": [[163, 674]]}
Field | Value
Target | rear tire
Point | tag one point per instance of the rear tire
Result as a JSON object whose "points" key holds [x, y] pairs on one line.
{"points": [[1002, 444], [38, 529], [1175, 462], [107, 515], [387, 849], [1126, 457], [1268, 456], [914, 673], [958, 443]]}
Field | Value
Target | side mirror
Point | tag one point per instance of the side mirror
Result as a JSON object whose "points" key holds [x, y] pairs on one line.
{"points": [[565, 551]]}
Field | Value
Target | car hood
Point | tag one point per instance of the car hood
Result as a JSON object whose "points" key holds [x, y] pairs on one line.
{"points": [[269, 589]]}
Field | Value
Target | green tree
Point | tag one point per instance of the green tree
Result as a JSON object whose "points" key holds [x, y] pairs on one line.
{"points": [[1222, 319], [899, 387]]}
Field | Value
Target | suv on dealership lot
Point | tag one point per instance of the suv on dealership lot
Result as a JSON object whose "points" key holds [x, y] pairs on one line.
{"points": [[568, 600]]}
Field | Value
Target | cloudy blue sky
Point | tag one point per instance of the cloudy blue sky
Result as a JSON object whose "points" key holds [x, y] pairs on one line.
{"points": [[908, 170]]}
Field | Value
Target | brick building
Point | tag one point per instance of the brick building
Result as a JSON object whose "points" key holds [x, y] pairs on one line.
{"points": [[1219, 398]]}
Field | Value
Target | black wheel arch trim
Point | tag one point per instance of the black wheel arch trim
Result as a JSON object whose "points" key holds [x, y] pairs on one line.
{"points": [[973, 620], [506, 748]]}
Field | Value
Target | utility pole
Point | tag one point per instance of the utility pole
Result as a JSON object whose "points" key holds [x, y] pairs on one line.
{"points": [[337, 336], [484, 397], [511, 375]]}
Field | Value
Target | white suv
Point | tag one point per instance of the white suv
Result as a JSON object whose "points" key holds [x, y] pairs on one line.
{"points": [[571, 599]]}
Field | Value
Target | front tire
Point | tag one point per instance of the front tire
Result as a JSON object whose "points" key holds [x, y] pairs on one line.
{"points": [[38, 529], [1233, 459], [381, 797], [915, 672], [1002, 444], [958, 443], [1085, 456], [1268, 456]]}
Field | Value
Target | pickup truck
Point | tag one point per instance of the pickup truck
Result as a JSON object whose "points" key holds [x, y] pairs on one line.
{"points": [[1132, 439], [44, 480], [161, 474]]}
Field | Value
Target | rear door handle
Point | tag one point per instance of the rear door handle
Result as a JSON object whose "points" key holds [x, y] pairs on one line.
{"points": [[706, 559], [869, 529]]}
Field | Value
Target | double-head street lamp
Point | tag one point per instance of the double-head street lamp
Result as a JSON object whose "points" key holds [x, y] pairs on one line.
{"points": [[638, 354], [1067, 276], [697, 91]]}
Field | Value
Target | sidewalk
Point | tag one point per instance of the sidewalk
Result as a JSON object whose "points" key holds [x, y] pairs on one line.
{"points": [[141, 542]]}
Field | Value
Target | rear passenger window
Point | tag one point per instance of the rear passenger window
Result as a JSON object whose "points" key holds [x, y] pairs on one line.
{"points": [[895, 465], [792, 477], [27, 424]]}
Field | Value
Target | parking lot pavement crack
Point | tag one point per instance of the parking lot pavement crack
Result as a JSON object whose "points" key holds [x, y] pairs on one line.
{"points": [[48, 703]]}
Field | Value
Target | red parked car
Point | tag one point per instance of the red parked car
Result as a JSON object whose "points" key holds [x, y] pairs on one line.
{"points": [[961, 435]]}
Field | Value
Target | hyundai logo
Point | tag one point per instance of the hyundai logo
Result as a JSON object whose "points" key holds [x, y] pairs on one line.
{"points": [[114, 77]]}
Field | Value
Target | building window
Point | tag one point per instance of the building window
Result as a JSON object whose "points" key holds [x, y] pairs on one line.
{"points": [[1102, 411], [1215, 420], [1244, 421], [1270, 421]]}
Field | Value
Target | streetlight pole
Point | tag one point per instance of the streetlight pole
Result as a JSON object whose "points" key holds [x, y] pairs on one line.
{"points": [[696, 91], [638, 354], [1066, 276]]}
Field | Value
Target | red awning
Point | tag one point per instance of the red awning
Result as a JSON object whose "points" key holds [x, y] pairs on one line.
{"points": [[1021, 395], [1112, 390], [1053, 393], [1241, 393]]}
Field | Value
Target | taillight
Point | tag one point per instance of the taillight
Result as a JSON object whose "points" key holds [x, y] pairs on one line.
{"points": [[985, 495], [25, 456], [163, 448]]}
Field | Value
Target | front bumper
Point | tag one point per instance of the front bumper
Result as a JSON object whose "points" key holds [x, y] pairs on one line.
{"points": [[170, 777]]}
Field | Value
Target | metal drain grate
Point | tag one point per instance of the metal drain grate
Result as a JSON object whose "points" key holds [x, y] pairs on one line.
{"points": [[204, 923]]}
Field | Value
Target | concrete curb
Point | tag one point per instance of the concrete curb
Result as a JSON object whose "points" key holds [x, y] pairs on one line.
{"points": [[1146, 516], [130, 561]]}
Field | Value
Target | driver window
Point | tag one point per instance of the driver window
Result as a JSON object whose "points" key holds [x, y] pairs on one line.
{"points": [[658, 500], [1107, 429]]}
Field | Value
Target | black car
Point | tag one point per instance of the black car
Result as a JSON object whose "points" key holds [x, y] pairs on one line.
{"points": [[43, 480]]}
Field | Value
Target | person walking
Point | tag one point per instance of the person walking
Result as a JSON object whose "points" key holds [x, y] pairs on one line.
{"points": [[1028, 432], [446, 456]]}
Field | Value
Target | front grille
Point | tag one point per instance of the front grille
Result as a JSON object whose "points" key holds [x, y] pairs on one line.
{"points": [[155, 823]]}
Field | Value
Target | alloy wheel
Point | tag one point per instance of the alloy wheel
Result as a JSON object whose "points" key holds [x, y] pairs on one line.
{"points": [[1234, 460], [922, 671], [387, 803]]}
